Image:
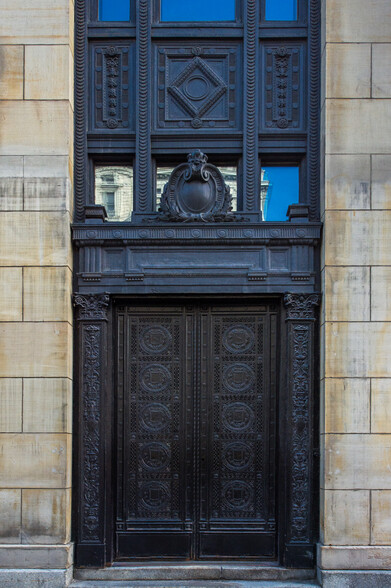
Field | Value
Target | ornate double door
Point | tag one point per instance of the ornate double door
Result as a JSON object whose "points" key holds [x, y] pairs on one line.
{"points": [[196, 430]]}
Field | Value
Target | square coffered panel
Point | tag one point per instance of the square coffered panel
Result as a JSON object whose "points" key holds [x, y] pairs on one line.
{"points": [[198, 87]]}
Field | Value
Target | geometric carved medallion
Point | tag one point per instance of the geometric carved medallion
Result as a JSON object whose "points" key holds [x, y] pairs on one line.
{"points": [[238, 377], [155, 378], [237, 416], [238, 339], [197, 87]]}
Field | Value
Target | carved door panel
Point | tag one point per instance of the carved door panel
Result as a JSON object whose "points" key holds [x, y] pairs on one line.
{"points": [[196, 431]]}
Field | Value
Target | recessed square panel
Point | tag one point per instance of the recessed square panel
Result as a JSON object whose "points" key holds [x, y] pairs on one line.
{"points": [[200, 11], [197, 87]]}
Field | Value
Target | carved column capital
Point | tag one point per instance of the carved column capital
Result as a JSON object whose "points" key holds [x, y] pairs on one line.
{"points": [[91, 306], [301, 306]]}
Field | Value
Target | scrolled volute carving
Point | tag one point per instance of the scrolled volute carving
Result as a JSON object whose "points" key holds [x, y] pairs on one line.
{"points": [[301, 306], [196, 192], [91, 306]]}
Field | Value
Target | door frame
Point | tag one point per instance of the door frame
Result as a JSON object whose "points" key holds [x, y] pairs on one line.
{"points": [[297, 470]]}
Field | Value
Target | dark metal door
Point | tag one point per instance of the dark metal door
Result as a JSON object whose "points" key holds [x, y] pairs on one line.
{"points": [[196, 431]]}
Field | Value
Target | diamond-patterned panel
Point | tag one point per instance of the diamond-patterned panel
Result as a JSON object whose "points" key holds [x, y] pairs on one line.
{"points": [[197, 87]]}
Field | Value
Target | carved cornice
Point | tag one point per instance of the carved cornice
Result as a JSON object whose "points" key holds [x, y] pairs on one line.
{"points": [[91, 306], [301, 306]]}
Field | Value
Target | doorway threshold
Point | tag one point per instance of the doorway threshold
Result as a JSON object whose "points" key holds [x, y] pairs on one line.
{"points": [[194, 570]]}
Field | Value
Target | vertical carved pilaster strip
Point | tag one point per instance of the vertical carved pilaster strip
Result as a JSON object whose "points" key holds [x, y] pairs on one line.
{"points": [[314, 111], [92, 344], [250, 130], [143, 155], [80, 145], [300, 338]]}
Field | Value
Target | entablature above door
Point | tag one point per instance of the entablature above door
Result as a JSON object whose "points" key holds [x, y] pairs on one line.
{"points": [[197, 257]]}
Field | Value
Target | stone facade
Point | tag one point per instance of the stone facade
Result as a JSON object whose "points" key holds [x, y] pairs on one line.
{"points": [[36, 161], [356, 328]]}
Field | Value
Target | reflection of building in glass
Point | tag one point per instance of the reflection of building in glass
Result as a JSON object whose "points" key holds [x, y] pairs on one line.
{"points": [[266, 190], [114, 189], [229, 174]]}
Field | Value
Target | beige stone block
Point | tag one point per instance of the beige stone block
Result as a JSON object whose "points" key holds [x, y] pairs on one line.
{"points": [[348, 70], [381, 181], [381, 293], [54, 166], [381, 70], [11, 166], [47, 294], [357, 462], [45, 557], [36, 22], [47, 194], [347, 293], [34, 350], [381, 517], [347, 517], [30, 460], [348, 182], [10, 516], [358, 350], [35, 238], [11, 194], [358, 21], [355, 557], [46, 516], [347, 405], [371, 135], [11, 288], [381, 406], [11, 72], [35, 127], [47, 405], [48, 71], [10, 405], [357, 238]]}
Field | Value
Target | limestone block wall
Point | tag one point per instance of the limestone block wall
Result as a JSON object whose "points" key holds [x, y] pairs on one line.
{"points": [[36, 161], [356, 276]]}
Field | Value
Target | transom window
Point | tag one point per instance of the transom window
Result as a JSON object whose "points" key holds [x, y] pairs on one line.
{"points": [[163, 82]]}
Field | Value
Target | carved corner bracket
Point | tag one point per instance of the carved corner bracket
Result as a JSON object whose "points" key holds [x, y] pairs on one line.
{"points": [[196, 192], [91, 306]]}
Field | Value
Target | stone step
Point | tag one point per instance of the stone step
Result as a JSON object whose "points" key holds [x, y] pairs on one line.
{"points": [[193, 584], [190, 571], [169, 571]]}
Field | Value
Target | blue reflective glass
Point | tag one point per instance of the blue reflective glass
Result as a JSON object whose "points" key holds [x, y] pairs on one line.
{"points": [[281, 10], [114, 10], [200, 11], [279, 189]]}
